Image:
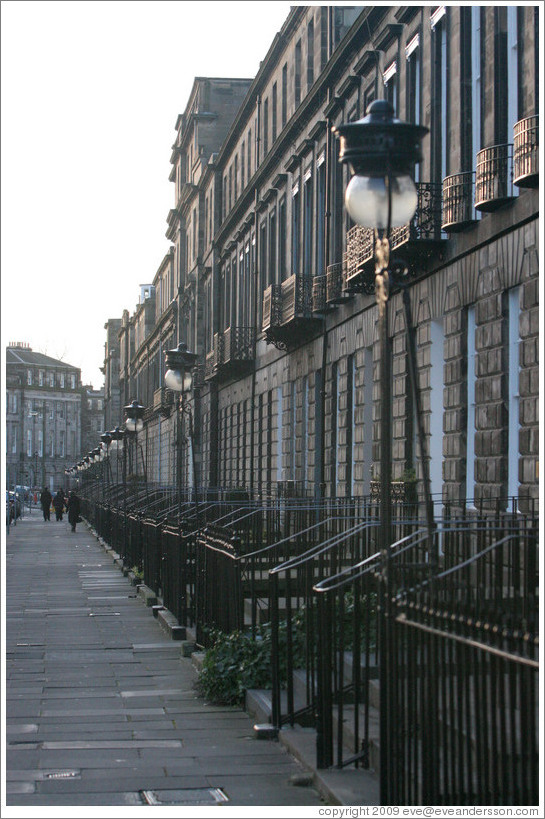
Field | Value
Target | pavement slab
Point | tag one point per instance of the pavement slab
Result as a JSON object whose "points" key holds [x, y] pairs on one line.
{"points": [[101, 708]]}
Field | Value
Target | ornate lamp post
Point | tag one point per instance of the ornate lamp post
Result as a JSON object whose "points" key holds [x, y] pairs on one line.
{"points": [[134, 423], [179, 378], [381, 152]]}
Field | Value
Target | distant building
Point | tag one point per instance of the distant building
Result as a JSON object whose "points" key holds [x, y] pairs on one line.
{"points": [[43, 417], [112, 399], [92, 418]]}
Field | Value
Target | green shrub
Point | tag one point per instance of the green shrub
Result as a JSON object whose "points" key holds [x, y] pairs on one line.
{"points": [[242, 660]]}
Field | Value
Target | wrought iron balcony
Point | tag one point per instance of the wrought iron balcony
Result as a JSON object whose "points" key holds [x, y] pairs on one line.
{"points": [[416, 242], [319, 294], [526, 153], [272, 307], [238, 351], [287, 312], [494, 177], [458, 198], [163, 401], [335, 292], [214, 357]]}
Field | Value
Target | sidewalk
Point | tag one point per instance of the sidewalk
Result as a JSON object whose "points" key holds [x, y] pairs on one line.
{"points": [[100, 704]]}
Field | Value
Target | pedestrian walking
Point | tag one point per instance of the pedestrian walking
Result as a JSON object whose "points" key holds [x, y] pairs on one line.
{"points": [[73, 507], [59, 502], [45, 501]]}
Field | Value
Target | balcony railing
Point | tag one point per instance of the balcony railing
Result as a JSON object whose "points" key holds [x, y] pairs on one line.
{"points": [[494, 177], [163, 401], [288, 311], [458, 198], [319, 294], [214, 357], [419, 238], [272, 306], [335, 292], [526, 152], [237, 351]]}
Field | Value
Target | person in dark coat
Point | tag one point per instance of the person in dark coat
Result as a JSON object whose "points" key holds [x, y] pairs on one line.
{"points": [[58, 504], [45, 500], [73, 507]]}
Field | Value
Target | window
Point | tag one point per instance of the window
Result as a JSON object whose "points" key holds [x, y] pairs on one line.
{"points": [[412, 53], [282, 225], [247, 286], [279, 433], [51, 447], [367, 431], [89, 404], [273, 113], [249, 153], [320, 217], [62, 452], [310, 54], [234, 293], [437, 383], [334, 423], [513, 357], [470, 401], [100, 404], [293, 427], [62, 380], [41, 378], [14, 402], [390, 85], [272, 247], [13, 440], [262, 266], [512, 70], [295, 207], [307, 225], [236, 177], [230, 201], [350, 422], [324, 14], [40, 443], [304, 431], [284, 94], [29, 443], [440, 119], [29, 377], [265, 126], [297, 78], [242, 159], [224, 207], [369, 95]]}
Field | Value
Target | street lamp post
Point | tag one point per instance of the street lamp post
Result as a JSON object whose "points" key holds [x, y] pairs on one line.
{"points": [[179, 378], [381, 152]]}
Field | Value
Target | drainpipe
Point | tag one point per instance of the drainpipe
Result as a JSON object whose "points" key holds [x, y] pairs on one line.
{"points": [[327, 252], [254, 374]]}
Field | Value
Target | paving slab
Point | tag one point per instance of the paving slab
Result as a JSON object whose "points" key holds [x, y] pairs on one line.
{"points": [[101, 706]]}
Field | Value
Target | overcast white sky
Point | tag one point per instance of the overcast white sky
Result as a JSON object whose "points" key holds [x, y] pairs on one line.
{"points": [[90, 94]]}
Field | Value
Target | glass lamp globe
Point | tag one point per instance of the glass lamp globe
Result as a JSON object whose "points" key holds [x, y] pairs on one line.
{"points": [[174, 380], [134, 424], [366, 200]]}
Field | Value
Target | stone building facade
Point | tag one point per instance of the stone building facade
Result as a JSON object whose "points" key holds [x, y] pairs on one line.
{"points": [[110, 370], [43, 418], [274, 285], [92, 418]]}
